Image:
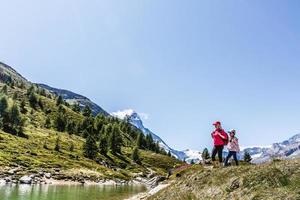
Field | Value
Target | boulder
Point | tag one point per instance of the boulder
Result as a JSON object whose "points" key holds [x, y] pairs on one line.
{"points": [[235, 184], [25, 180], [48, 175]]}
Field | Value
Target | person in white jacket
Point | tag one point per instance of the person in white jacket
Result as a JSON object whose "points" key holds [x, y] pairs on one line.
{"points": [[233, 148]]}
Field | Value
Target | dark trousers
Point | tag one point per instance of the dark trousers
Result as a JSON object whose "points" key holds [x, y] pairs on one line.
{"points": [[230, 154], [217, 150]]}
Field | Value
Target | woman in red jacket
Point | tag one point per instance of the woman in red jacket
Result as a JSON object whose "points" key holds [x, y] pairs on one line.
{"points": [[220, 138]]}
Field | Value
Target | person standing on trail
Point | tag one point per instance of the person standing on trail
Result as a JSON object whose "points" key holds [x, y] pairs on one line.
{"points": [[220, 139], [233, 148]]}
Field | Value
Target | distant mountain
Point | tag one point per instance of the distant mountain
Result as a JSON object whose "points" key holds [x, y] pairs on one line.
{"points": [[73, 98], [8, 74], [287, 149], [134, 118]]}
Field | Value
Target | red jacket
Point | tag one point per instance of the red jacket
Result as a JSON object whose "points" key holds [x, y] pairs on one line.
{"points": [[218, 141]]}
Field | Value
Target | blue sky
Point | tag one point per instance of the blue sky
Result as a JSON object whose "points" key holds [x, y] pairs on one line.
{"points": [[184, 63]]}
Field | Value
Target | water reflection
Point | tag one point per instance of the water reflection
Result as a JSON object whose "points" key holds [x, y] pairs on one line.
{"points": [[67, 192]]}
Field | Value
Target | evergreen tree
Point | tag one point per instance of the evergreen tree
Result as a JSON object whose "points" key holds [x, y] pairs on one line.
{"points": [[90, 148], [76, 107], [149, 142], [169, 154], [71, 127], [60, 122], [45, 146], [103, 145], [23, 109], [57, 144], [87, 111], [139, 141], [115, 140], [85, 133], [16, 120], [15, 96], [88, 124], [61, 109], [59, 100], [12, 84], [3, 106], [12, 122], [205, 154], [33, 101], [247, 157], [158, 149], [4, 90], [42, 92], [30, 90], [41, 104], [71, 147], [22, 85], [135, 155], [47, 123]]}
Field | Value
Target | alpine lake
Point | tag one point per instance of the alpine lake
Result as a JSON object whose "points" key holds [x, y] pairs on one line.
{"points": [[68, 192]]}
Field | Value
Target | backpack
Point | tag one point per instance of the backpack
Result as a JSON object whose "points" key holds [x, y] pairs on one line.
{"points": [[226, 140]]}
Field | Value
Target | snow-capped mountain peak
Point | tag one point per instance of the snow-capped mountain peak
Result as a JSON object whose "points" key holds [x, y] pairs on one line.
{"points": [[287, 149], [135, 119]]}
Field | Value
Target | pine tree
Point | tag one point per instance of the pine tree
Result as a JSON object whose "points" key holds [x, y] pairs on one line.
{"points": [[87, 111], [205, 154], [71, 147], [149, 142], [16, 121], [59, 100], [76, 107], [90, 148], [71, 127], [57, 144], [247, 157], [45, 146], [3, 106], [169, 154], [33, 101], [60, 122], [3, 111], [61, 109], [41, 104], [103, 145], [4, 90], [11, 120], [23, 109], [135, 155], [115, 140], [30, 90], [15, 96], [139, 141], [47, 123]]}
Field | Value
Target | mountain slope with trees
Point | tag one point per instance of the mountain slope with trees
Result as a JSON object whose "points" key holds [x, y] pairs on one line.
{"points": [[40, 130]]}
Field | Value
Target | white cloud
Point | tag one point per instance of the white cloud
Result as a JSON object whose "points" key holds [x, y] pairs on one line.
{"points": [[144, 116]]}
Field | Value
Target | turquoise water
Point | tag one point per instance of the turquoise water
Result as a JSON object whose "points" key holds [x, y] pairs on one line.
{"points": [[67, 192]]}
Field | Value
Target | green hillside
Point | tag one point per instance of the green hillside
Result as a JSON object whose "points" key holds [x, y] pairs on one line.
{"points": [[39, 130]]}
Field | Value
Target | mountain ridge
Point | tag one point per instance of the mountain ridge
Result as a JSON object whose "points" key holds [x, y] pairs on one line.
{"points": [[72, 98], [133, 117], [287, 149]]}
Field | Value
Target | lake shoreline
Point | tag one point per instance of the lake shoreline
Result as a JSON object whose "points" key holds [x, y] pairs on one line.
{"points": [[149, 193], [57, 176]]}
